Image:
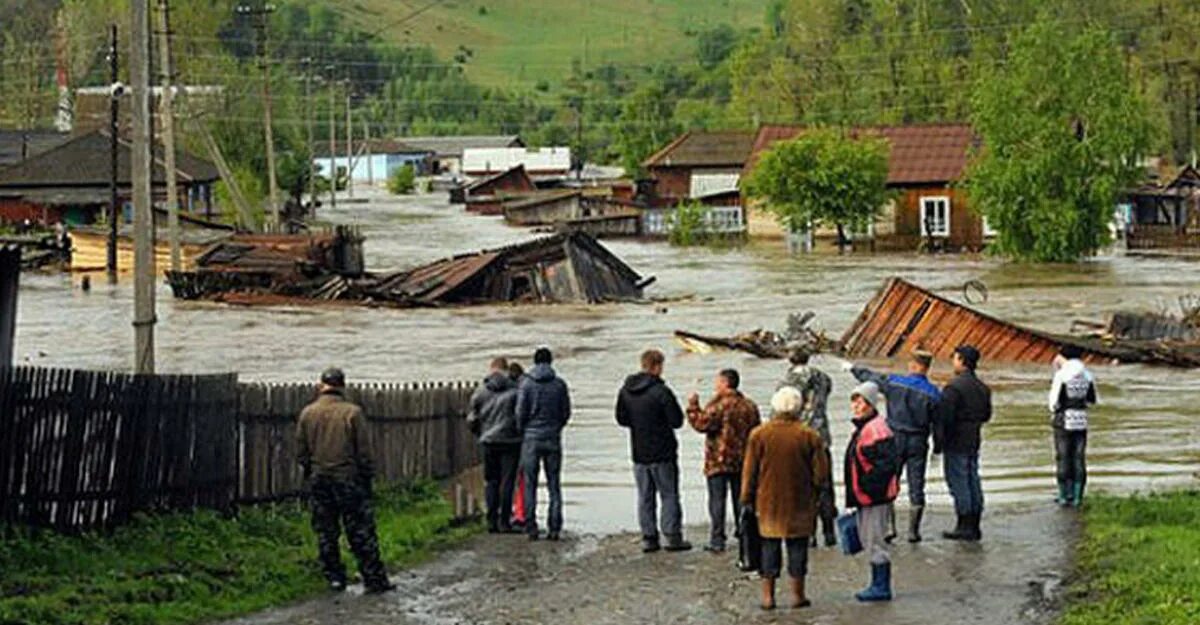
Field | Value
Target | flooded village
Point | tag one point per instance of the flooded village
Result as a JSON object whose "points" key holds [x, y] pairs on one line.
{"points": [[222, 348]]}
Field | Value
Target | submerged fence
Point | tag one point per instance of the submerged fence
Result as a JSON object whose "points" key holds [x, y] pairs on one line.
{"points": [[83, 449]]}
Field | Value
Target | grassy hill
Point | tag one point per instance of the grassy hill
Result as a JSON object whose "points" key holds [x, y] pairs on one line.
{"points": [[524, 41]]}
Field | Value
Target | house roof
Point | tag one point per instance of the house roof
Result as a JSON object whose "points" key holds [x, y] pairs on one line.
{"points": [[14, 143], [455, 146], [535, 160], [694, 148], [540, 199], [517, 172], [920, 154], [320, 149], [85, 162]]}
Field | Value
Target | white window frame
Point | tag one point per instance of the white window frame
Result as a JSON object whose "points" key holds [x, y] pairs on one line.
{"points": [[988, 230], [925, 201]]}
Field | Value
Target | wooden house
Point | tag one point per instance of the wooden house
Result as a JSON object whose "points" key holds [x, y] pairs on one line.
{"points": [[486, 195], [697, 164], [19, 145], [70, 183], [447, 152], [924, 164], [1165, 215]]}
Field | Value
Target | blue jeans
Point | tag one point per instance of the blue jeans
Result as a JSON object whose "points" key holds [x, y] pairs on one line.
{"points": [[658, 481], [914, 456], [535, 455], [962, 476]]}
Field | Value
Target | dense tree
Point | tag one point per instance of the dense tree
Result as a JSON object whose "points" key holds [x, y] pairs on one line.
{"points": [[1063, 134], [822, 177]]}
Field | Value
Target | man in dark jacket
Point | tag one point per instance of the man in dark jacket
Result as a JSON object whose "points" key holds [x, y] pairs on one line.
{"points": [[494, 419], [966, 405], [649, 409], [543, 409], [334, 449], [911, 407]]}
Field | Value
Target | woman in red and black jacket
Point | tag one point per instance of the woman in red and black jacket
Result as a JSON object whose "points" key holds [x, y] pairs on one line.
{"points": [[872, 483]]}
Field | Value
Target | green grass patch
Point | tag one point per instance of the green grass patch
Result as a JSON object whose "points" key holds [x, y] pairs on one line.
{"points": [[1139, 562], [185, 568]]}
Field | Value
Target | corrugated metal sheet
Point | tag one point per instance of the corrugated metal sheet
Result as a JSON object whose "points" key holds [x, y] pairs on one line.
{"points": [[704, 149], [434, 281], [535, 160], [903, 317]]}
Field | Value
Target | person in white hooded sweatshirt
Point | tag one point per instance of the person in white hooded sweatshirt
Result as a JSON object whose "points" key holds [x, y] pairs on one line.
{"points": [[1071, 393]]}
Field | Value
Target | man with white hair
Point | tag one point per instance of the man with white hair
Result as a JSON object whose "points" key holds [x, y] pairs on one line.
{"points": [[784, 472], [872, 483]]}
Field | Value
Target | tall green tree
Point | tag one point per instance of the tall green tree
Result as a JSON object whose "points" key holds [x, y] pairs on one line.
{"points": [[646, 124], [822, 177], [1063, 133]]}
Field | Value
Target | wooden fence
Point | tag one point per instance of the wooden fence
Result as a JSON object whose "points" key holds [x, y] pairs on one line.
{"points": [[1155, 236], [82, 449]]}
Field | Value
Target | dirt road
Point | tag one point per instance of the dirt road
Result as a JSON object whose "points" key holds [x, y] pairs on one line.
{"points": [[1012, 577]]}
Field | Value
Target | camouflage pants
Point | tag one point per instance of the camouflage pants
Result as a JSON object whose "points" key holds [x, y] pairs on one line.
{"points": [[336, 504]]}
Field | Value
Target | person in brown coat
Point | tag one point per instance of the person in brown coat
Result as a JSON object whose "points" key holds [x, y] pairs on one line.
{"points": [[786, 467], [725, 422]]}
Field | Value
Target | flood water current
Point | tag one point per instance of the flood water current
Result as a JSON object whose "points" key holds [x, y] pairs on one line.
{"points": [[1144, 433]]}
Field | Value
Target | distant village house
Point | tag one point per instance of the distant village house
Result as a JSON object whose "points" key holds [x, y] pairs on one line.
{"points": [[371, 161], [447, 152], [702, 167], [1165, 214]]}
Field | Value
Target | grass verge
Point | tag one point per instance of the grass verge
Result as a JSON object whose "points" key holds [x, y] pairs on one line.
{"points": [[185, 568], [1139, 562]]}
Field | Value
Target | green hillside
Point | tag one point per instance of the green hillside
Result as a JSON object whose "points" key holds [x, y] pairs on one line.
{"points": [[524, 41]]}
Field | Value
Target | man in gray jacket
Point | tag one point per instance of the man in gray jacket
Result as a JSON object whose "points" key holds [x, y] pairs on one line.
{"points": [[543, 409], [494, 419]]}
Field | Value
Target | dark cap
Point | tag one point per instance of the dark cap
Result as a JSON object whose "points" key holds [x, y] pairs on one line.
{"points": [[969, 355], [333, 377], [1071, 352]]}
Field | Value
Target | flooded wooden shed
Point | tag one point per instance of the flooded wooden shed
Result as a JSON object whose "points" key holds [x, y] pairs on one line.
{"points": [[568, 267], [903, 317]]}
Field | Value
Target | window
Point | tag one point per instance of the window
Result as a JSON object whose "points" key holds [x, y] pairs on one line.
{"points": [[988, 230], [935, 216]]}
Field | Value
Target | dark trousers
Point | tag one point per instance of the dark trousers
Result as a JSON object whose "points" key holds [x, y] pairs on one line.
{"points": [[914, 456], [772, 557], [535, 456], [962, 477], [720, 486], [827, 502], [659, 480], [336, 504], [500, 462], [1070, 454]]}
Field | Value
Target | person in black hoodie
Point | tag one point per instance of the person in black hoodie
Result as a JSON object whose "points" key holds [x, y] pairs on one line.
{"points": [[493, 419], [543, 410], [650, 410]]}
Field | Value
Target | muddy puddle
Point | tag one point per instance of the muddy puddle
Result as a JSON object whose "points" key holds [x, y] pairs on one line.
{"points": [[1144, 434]]}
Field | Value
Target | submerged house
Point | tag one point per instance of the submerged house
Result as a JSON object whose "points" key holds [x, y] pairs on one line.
{"points": [[551, 163], [1165, 215], [924, 164], [447, 152], [371, 161], [486, 195], [698, 166]]}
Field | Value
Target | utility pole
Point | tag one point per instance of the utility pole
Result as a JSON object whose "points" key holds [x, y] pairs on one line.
{"points": [[143, 209], [349, 145], [309, 112], [114, 122], [168, 132], [367, 150], [332, 141], [259, 15]]}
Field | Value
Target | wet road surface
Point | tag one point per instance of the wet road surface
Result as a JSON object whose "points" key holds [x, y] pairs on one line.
{"points": [[1012, 577], [1144, 433]]}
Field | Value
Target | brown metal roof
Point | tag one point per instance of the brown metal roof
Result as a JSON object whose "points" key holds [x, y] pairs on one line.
{"points": [[695, 148], [85, 162], [920, 154], [903, 317]]}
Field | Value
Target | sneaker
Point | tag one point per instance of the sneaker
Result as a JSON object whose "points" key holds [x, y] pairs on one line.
{"points": [[677, 544], [337, 585], [714, 548]]}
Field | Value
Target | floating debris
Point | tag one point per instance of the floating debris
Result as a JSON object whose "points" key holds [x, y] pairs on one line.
{"points": [[763, 343]]}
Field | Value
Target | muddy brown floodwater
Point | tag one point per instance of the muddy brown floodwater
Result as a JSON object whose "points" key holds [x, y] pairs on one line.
{"points": [[1144, 432]]}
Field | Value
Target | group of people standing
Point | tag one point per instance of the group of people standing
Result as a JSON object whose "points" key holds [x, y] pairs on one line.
{"points": [[775, 475]]}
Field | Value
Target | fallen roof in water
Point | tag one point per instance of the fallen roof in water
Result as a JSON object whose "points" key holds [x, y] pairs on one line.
{"points": [[903, 317]]}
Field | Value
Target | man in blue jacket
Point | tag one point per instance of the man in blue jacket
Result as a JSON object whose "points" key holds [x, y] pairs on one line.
{"points": [[912, 402], [543, 409]]}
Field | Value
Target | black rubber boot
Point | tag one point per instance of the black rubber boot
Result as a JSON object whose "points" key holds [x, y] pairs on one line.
{"points": [[914, 523], [960, 531]]}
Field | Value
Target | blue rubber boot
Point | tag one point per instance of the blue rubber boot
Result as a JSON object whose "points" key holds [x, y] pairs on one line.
{"points": [[881, 584], [1064, 494], [1077, 495]]}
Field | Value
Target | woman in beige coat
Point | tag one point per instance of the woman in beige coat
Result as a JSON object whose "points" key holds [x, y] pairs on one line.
{"points": [[785, 468]]}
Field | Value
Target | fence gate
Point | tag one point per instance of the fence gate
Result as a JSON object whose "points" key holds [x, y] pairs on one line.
{"points": [[87, 449]]}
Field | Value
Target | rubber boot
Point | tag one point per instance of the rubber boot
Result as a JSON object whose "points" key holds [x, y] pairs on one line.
{"points": [[799, 600], [891, 535], [914, 523], [960, 531], [1077, 494], [1064, 493], [767, 602], [975, 534], [881, 584]]}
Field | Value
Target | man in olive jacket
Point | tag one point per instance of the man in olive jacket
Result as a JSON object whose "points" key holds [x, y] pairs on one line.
{"points": [[334, 449], [650, 410]]}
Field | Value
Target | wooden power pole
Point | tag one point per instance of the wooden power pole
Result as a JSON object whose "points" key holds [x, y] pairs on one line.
{"points": [[349, 144], [332, 141], [259, 15], [143, 210], [114, 129], [168, 132]]}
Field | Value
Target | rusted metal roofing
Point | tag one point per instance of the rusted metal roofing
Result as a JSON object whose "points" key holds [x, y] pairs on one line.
{"points": [[903, 317], [920, 154], [513, 179], [432, 282], [265, 253], [696, 148]]}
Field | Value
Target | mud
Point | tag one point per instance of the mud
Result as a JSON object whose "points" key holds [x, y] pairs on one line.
{"points": [[1014, 576]]}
